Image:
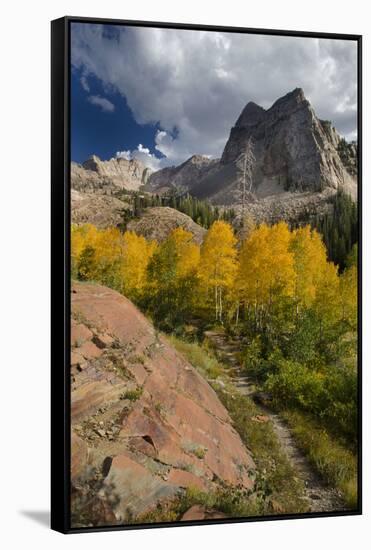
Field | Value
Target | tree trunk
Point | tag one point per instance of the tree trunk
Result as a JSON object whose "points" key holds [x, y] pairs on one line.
{"points": [[237, 313], [220, 305], [216, 303]]}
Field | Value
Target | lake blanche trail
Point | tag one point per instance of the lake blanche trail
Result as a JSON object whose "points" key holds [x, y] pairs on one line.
{"points": [[320, 497]]}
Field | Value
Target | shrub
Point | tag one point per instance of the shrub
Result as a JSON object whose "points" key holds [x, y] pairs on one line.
{"points": [[296, 385]]}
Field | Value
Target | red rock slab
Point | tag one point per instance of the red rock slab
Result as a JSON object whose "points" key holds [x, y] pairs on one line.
{"points": [[185, 479], [160, 390], [226, 455], [198, 512], [112, 313], [139, 490], [76, 359], [196, 387], [89, 350], [103, 340], [79, 456], [141, 444], [167, 362], [138, 371], [166, 441], [88, 397], [79, 334]]}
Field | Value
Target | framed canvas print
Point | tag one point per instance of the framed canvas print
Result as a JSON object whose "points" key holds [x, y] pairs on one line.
{"points": [[206, 202]]}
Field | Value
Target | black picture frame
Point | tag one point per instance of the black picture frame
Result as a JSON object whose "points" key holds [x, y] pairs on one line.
{"points": [[60, 269]]}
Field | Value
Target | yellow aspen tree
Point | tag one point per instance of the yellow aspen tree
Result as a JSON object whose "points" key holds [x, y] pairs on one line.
{"points": [[266, 271], [137, 252], [81, 236], [218, 263], [309, 261], [109, 252], [83, 251], [187, 251], [172, 275]]}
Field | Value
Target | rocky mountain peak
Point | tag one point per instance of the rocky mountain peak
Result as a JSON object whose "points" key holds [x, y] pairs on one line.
{"points": [[290, 103], [252, 114], [198, 159], [293, 149], [295, 96]]}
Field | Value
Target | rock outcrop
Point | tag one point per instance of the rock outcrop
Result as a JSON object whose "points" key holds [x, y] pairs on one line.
{"points": [[108, 175], [143, 420], [157, 223]]}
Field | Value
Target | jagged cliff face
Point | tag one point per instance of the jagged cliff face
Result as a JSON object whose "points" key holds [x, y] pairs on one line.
{"points": [[293, 149], [295, 152], [108, 175]]}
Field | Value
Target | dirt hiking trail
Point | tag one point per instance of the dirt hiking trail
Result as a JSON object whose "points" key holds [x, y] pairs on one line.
{"points": [[320, 497]]}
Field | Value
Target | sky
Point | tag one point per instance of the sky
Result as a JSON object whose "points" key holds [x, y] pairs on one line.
{"points": [[162, 95]]}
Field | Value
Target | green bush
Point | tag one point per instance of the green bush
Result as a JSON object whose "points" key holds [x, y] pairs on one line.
{"points": [[329, 394], [295, 385]]}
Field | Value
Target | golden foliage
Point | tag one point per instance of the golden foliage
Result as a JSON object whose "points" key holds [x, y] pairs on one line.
{"points": [[266, 267], [218, 263], [275, 265]]}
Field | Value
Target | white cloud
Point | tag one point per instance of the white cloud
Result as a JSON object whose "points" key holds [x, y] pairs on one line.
{"points": [[144, 155], [194, 85], [84, 83], [124, 155], [105, 104]]}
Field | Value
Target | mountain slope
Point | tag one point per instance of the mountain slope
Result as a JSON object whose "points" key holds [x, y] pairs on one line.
{"points": [[157, 223], [182, 177], [97, 208], [143, 420]]}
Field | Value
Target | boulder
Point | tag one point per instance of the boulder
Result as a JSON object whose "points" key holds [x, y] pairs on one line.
{"points": [[198, 512]]}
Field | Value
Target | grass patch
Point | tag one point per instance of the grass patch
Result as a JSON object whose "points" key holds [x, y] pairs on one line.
{"points": [[134, 359], [133, 395], [197, 450], [199, 357], [336, 464], [200, 452]]}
